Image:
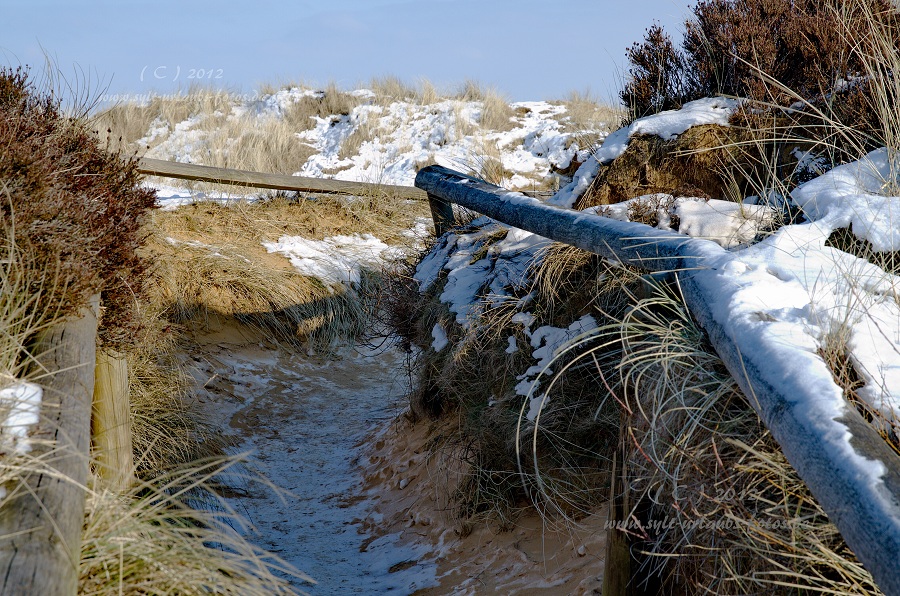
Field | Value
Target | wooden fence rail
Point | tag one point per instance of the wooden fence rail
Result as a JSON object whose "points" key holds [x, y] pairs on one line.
{"points": [[184, 171], [865, 510]]}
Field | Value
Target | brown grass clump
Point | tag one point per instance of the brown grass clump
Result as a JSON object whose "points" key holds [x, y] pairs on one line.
{"points": [[835, 351], [389, 89], [496, 115], [268, 145], [211, 263], [168, 432], [589, 120], [330, 101], [693, 164], [486, 163], [718, 508], [585, 112]]}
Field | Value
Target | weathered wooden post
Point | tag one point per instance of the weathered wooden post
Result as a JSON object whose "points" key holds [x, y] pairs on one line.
{"points": [[441, 213], [111, 423], [617, 572], [41, 521]]}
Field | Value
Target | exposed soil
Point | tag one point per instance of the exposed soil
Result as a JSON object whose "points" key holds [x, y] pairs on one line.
{"points": [[406, 486]]}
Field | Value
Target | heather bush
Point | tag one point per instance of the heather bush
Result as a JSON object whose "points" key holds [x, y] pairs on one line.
{"points": [[807, 46], [657, 75], [75, 209]]}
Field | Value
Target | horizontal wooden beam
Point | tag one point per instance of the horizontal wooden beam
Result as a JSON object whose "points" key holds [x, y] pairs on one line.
{"points": [[865, 510], [185, 171]]}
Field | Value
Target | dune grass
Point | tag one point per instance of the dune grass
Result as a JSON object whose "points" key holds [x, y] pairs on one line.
{"points": [[150, 541], [228, 131], [211, 263], [697, 456]]}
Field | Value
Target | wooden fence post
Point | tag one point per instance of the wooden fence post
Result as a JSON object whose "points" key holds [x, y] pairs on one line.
{"points": [[441, 213], [617, 563], [111, 422], [42, 519]]}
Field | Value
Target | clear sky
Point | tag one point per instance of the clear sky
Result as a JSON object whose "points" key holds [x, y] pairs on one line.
{"points": [[527, 49]]}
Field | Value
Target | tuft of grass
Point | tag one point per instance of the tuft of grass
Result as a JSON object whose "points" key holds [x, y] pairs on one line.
{"points": [[496, 113], [486, 163], [697, 454], [149, 541], [328, 102], [389, 89], [168, 433], [22, 287], [589, 119]]}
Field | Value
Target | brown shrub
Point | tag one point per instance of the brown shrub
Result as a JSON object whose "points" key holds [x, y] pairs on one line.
{"points": [[75, 209], [801, 44], [656, 77]]}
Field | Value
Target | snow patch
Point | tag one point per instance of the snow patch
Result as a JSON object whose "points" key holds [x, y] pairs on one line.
{"points": [[440, 338], [336, 259], [547, 342], [726, 223], [21, 404]]}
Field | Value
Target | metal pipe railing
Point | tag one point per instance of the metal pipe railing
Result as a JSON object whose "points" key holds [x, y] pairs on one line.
{"points": [[834, 455]]}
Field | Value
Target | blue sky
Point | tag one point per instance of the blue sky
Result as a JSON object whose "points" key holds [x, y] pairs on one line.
{"points": [[527, 49]]}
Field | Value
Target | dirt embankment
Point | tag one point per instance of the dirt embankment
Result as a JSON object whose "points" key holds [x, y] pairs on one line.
{"points": [[409, 488]]}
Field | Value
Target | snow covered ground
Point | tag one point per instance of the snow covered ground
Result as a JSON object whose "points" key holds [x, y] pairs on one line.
{"points": [[305, 423], [394, 140]]}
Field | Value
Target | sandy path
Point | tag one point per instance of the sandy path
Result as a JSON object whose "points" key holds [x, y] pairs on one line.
{"points": [[362, 512], [408, 486], [305, 422]]}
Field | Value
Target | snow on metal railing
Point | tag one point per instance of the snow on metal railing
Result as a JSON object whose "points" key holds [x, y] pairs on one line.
{"points": [[848, 467]]}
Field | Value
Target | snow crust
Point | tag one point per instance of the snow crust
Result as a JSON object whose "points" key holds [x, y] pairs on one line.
{"points": [[547, 342], [475, 267], [440, 338], [726, 223], [336, 259]]}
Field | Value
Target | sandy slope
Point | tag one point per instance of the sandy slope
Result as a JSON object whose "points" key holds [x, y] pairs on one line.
{"points": [[408, 489]]}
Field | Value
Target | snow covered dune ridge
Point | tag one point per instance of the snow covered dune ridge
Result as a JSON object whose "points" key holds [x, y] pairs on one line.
{"points": [[379, 134]]}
